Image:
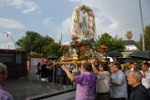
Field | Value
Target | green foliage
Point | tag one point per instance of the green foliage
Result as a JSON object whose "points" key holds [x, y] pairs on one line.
{"points": [[52, 49], [146, 38], [34, 54], [34, 42], [112, 43]]}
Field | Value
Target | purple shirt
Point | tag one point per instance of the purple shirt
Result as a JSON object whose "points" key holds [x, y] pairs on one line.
{"points": [[4, 95], [86, 83]]}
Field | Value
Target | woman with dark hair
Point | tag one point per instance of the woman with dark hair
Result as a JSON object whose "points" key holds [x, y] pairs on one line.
{"points": [[38, 73], [44, 72], [103, 81]]}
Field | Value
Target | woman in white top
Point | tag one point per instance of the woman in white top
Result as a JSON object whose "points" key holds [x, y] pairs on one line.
{"points": [[103, 81]]}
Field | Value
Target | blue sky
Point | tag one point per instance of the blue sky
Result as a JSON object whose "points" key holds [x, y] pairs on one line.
{"points": [[53, 17]]}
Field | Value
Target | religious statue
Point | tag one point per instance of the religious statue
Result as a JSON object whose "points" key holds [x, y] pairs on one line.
{"points": [[83, 24]]}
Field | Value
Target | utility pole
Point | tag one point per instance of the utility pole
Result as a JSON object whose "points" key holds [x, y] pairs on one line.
{"points": [[142, 23], [60, 38]]}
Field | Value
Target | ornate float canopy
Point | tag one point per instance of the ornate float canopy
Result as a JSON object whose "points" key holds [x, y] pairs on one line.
{"points": [[83, 23], [82, 34]]}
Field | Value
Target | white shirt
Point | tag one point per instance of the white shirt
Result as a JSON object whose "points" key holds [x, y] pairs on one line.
{"points": [[103, 82], [146, 79]]}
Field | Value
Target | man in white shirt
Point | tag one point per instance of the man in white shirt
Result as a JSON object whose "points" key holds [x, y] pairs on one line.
{"points": [[146, 75]]}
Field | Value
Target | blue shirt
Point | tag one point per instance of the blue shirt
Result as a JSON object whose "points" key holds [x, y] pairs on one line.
{"points": [[59, 71], [4, 95], [121, 90]]}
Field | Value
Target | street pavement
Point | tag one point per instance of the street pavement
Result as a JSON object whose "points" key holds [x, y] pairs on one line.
{"points": [[64, 96], [23, 88]]}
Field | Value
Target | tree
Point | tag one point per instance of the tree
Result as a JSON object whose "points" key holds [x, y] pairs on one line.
{"points": [[146, 38], [110, 42], [34, 42], [28, 42], [52, 49]]}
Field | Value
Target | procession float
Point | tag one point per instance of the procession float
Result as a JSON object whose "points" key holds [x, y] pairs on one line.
{"points": [[82, 35]]}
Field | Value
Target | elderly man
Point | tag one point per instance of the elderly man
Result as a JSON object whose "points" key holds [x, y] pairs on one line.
{"points": [[139, 92], [4, 95]]}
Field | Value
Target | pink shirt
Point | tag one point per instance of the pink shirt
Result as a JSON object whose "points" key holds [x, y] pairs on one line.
{"points": [[4, 95], [86, 83]]}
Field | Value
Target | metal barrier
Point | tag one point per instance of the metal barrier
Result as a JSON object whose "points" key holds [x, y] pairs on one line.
{"points": [[59, 95]]}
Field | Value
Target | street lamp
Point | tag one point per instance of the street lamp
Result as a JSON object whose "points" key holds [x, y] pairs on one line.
{"points": [[141, 15], [7, 34]]}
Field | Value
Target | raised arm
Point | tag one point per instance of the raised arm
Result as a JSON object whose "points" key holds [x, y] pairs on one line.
{"points": [[93, 66], [69, 75]]}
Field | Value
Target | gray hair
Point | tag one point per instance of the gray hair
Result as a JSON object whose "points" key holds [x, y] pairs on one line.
{"points": [[136, 75], [3, 68]]}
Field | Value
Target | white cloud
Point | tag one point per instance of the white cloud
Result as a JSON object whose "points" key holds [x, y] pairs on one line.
{"points": [[26, 5], [66, 25], [30, 7], [64, 29], [10, 24], [105, 24], [48, 22]]}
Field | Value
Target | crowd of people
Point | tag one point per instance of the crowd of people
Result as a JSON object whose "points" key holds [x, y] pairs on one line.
{"points": [[105, 81], [50, 71], [110, 81], [93, 80]]}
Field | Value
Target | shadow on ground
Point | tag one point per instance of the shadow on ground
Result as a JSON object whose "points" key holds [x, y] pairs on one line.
{"points": [[23, 88]]}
